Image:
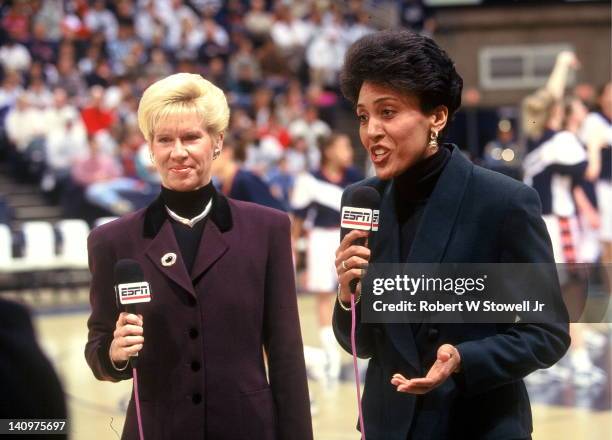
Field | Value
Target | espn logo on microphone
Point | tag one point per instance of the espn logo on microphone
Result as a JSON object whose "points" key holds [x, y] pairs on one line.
{"points": [[375, 215], [134, 293], [359, 218]]}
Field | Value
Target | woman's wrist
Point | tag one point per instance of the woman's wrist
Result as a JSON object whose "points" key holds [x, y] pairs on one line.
{"points": [[345, 301], [123, 364]]}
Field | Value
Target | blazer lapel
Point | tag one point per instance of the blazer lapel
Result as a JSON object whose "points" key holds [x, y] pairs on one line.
{"points": [[385, 243], [386, 249], [164, 242], [441, 211], [430, 240], [212, 247]]}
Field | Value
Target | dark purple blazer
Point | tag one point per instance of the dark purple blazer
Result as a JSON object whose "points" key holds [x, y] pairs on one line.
{"points": [[202, 370]]}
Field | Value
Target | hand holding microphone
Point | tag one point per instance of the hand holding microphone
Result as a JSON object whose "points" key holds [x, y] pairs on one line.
{"points": [[359, 218], [351, 262], [131, 289], [128, 338]]}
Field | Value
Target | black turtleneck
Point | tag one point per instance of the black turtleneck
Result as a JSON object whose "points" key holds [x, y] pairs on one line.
{"points": [[412, 190], [187, 204]]}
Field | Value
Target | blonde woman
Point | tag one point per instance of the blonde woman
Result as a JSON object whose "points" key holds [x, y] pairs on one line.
{"points": [[222, 285]]}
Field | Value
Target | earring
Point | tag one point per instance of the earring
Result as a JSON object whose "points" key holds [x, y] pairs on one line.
{"points": [[216, 153], [151, 158], [433, 140]]}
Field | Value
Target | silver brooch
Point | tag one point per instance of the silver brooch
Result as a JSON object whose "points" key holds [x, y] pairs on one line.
{"points": [[168, 259]]}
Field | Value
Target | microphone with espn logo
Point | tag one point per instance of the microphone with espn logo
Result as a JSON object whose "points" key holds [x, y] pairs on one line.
{"points": [[360, 212], [130, 287]]}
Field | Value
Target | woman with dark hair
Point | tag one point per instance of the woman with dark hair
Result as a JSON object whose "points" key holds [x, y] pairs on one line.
{"points": [[424, 380]]}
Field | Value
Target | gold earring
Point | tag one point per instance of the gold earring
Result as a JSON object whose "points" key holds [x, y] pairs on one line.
{"points": [[433, 140]]}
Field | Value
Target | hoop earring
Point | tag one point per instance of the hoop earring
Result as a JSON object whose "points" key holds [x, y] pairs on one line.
{"points": [[433, 140]]}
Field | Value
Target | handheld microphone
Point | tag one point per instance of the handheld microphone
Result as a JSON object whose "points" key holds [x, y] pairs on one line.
{"points": [[360, 212], [130, 288]]}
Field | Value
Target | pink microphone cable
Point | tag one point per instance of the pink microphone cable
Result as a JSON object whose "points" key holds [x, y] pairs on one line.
{"points": [[137, 398], [356, 367]]}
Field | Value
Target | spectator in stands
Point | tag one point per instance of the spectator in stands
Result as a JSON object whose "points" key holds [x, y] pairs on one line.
{"points": [[55, 115], [69, 77], [119, 49], [244, 70], [148, 24], [258, 21], [158, 67], [38, 94], [11, 88], [238, 183], [97, 172], [24, 124], [311, 128], [98, 120], [291, 103], [215, 43], [63, 145], [100, 19], [40, 46], [358, 29], [325, 53], [291, 35], [274, 65], [15, 56]]}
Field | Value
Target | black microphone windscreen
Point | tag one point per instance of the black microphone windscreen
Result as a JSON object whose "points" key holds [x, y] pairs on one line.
{"points": [[128, 271], [363, 197]]}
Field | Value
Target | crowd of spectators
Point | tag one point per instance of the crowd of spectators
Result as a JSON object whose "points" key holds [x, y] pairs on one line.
{"points": [[72, 72]]}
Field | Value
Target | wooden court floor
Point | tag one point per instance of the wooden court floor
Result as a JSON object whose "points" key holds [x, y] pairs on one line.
{"points": [[97, 408]]}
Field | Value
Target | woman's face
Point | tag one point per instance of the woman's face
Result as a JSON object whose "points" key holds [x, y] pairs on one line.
{"points": [[393, 129], [341, 152], [183, 152]]}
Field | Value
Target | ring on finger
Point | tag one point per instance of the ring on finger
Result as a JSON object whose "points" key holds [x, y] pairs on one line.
{"points": [[344, 265]]}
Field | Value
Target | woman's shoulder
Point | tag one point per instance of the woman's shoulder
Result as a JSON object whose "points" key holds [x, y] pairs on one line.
{"points": [[498, 189], [118, 229], [255, 213]]}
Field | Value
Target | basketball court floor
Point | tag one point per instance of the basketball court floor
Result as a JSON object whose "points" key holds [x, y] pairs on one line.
{"points": [[561, 409]]}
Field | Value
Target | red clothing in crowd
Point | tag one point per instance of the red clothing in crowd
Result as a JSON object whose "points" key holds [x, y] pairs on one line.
{"points": [[96, 119]]}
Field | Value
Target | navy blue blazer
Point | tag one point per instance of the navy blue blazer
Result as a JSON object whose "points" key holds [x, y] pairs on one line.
{"points": [[202, 370], [473, 216]]}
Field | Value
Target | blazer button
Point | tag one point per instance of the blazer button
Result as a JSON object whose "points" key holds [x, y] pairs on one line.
{"points": [[433, 333], [193, 333], [196, 398], [195, 366]]}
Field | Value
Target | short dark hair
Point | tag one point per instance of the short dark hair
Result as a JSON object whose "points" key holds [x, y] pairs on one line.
{"points": [[406, 61]]}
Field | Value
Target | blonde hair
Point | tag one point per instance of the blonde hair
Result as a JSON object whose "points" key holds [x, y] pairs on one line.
{"points": [[536, 111], [179, 94]]}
